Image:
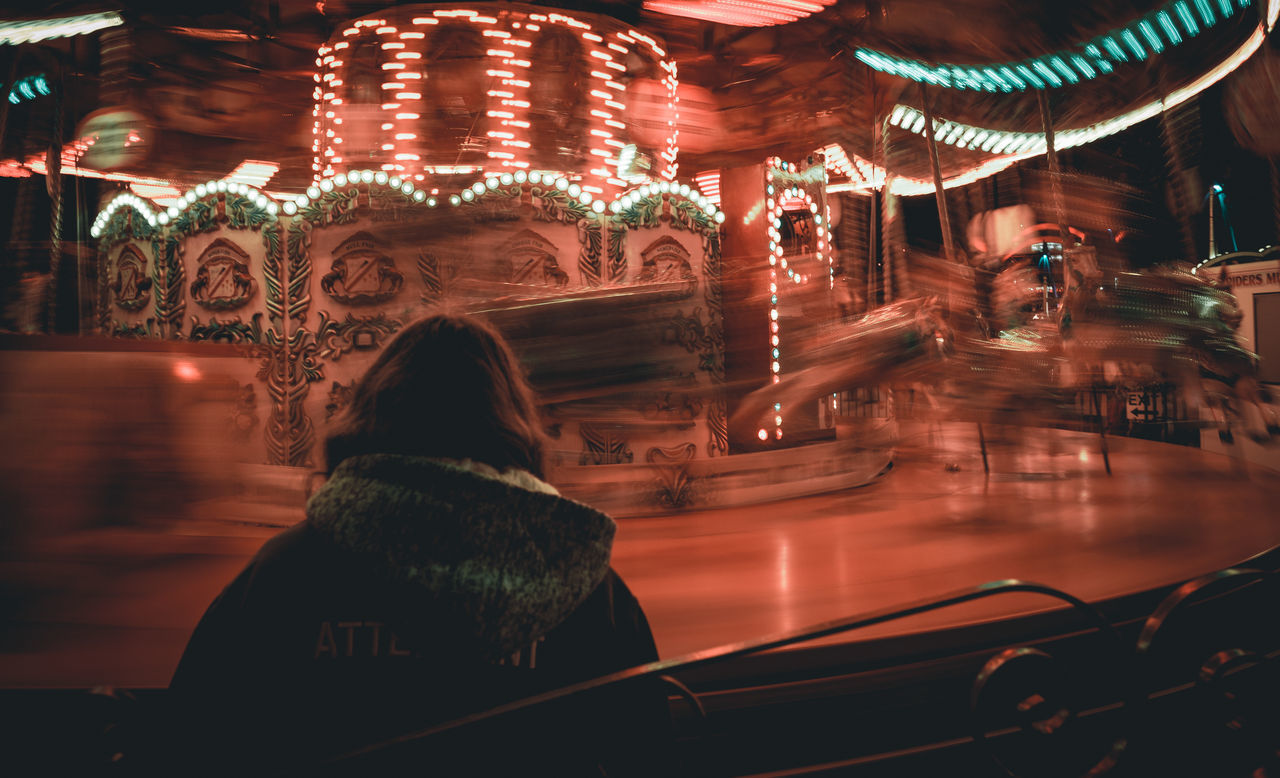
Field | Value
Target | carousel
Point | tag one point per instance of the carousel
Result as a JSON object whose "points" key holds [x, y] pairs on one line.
{"points": [[691, 218]]}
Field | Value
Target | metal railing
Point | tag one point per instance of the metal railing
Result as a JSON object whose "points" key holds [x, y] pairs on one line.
{"points": [[1025, 711]]}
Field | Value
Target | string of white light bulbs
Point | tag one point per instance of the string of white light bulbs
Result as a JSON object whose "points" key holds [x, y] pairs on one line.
{"points": [[380, 177], [291, 207], [125, 199]]}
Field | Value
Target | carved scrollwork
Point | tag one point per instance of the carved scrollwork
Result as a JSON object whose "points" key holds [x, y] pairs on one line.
{"points": [[432, 276], [591, 245], [289, 368], [616, 255], [679, 407], [717, 429], [139, 331], [354, 333], [170, 282], [674, 486], [603, 446], [713, 343], [228, 331]]}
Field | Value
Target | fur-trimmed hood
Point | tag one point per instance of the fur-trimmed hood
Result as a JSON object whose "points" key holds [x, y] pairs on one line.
{"points": [[505, 556]]}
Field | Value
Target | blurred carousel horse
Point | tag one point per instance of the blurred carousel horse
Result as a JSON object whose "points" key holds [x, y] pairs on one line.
{"points": [[1143, 329], [898, 343], [1166, 325]]}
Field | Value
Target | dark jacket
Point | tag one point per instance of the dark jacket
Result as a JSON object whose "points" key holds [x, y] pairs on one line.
{"points": [[414, 593]]}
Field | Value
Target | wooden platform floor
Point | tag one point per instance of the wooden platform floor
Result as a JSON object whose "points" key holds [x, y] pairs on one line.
{"points": [[1047, 513], [120, 605]]}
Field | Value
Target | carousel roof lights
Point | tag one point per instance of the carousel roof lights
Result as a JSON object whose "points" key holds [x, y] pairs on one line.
{"points": [[15, 33], [1013, 147], [740, 13], [1092, 59], [29, 88], [1184, 16]]}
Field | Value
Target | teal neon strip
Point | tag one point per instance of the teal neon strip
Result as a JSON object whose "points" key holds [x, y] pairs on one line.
{"points": [[1149, 33], [1206, 13], [1028, 75], [1013, 77], [1170, 31], [1115, 49], [1066, 71], [996, 77], [1184, 16], [1166, 27], [1131, 41], [1048, 74], [987, 83], [1083, 66]]}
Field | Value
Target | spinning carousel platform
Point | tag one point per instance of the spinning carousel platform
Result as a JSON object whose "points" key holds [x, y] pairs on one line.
{"points": [[1047, 512], [118, 605]]}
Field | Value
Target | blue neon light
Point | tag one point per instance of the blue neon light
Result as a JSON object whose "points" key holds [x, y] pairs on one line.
{"points": [[1169, 26]]}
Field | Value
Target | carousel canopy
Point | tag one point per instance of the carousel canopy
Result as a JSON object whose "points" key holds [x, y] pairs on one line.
{"points": [[205, 92]]}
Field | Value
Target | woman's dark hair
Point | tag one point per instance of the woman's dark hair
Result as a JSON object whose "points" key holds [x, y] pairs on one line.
{"points": [[446, 386]]}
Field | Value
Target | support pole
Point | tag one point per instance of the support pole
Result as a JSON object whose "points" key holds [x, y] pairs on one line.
{"points": [[940, 194], [53, 177], [1213, 245], [1055, 185]]}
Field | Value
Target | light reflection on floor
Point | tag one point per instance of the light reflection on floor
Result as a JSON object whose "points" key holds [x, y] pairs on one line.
{"points": [[115, 606]]}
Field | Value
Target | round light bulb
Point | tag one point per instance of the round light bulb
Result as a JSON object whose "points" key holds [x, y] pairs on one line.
{"points": [[340, 179], [380, 176]]}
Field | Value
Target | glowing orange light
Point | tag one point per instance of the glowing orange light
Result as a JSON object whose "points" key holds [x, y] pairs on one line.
{"points": [[186, 371]]}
